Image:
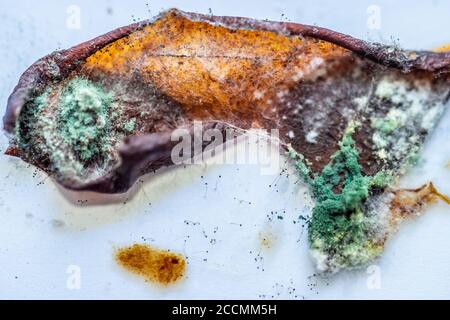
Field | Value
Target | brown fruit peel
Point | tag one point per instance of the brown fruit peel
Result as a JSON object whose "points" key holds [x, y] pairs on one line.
{"points": [[183, 56], [99, 115]]}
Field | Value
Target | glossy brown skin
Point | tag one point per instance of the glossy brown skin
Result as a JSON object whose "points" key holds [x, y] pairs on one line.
{"points": [[227, 71]]}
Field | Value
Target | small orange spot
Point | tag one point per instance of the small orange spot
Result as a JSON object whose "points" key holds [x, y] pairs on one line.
{"points": [[443, 48], [158, 266]]}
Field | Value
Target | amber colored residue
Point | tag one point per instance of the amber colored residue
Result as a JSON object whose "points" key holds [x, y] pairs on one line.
{"points": [[267, 240], [410, 202], [443, 48], [158, 266]]}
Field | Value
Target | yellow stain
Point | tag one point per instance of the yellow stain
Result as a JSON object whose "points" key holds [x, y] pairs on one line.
{"points": [[443, 48]]}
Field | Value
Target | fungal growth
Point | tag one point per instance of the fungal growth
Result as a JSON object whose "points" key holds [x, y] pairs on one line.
{"points": [[69, 128], [355, 115], [84, 119], [342, 233]]}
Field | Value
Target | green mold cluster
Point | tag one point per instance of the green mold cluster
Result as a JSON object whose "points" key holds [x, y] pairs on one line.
{"points": [[69, 129], [35, 125], [385, 127], [83, 118], [130, 125], [387, 132], [340, 234]]}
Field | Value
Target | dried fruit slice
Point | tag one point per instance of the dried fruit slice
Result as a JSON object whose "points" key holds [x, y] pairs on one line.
{"points": [[101, 114]]}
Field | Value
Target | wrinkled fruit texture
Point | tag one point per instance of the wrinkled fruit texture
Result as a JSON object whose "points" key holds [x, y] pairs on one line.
{"points": [[353, 125]]}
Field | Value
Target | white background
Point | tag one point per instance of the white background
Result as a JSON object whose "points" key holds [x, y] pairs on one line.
{"points": [[218, 226]]}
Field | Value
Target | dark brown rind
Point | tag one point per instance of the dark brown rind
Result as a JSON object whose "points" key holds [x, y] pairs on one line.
{"points": [[139, 155], [386, 55], [66, 61]]}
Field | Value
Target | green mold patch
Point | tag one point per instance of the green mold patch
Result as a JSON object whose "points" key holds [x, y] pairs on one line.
{"points": [[83, 119], [341, 234], [399, 131], [130, 125], [69, 129], [73, 129]]}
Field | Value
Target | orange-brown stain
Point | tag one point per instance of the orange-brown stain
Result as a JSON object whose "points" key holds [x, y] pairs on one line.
{"points": [[211, 70], [154, 265], [410, 202], [443, 48]]}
